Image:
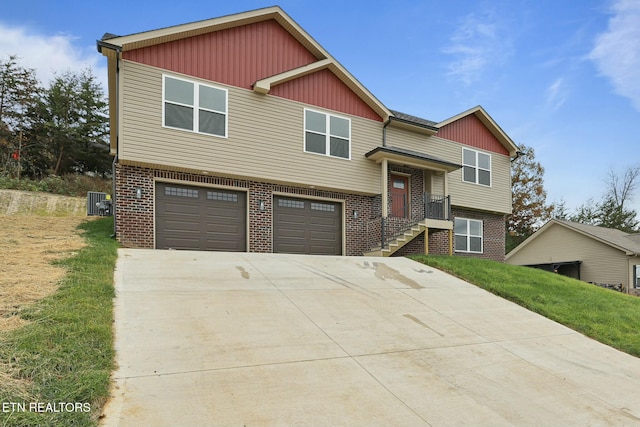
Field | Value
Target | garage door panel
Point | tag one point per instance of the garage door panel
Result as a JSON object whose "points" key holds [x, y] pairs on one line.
{"points": [[324, 222], [172, 226], [307, 226], [196, 218], [326, 236], [223, 231], [291, 218]]}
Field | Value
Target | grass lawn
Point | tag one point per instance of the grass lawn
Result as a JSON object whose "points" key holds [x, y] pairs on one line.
{"points": [[604, 315], [63, 358]]}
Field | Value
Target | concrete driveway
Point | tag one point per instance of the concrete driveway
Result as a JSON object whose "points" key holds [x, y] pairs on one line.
{"points": [[244, 339]]}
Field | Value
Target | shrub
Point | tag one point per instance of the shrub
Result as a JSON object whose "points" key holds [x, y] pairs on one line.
{"points": [[67, 185]]}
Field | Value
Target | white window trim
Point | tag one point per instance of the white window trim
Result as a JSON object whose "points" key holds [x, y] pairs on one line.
{"points": [[327, 134], [478, 168], [468, 236], [196, 107]]}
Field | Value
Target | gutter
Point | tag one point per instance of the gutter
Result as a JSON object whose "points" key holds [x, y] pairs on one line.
{"points": [[101, 43], [518, 155], [412, 123]]}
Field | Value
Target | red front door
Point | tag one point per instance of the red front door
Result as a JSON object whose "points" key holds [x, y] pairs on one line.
{"points": [[399, 196]]}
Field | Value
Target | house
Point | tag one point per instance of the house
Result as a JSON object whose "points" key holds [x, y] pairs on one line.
{"points": [[599, 255], [242, 133]]}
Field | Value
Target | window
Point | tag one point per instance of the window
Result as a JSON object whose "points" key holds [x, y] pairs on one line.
{"points": [[476, 167], [323, 207], [180, 192], [288, 203], [326, 134], [468, 235], [225, 197], [194, 107]]}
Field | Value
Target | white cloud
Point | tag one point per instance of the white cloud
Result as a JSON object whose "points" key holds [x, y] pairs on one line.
{"points": [[556, 94], [475, 45], [48, 54], [617, 50]]}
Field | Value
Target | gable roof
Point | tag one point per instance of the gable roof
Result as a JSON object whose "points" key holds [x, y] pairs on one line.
{"points": [[625, 242], [324, 59], [490, 124]]}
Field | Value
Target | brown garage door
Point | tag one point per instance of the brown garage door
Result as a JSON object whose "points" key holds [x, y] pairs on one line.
{"points": [[200, 218], [302, 226]]}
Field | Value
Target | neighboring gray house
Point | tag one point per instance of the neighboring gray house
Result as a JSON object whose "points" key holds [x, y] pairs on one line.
{"points": [[598, 255]]}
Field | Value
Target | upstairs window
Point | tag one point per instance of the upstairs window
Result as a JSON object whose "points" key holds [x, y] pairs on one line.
{"points": [[194, 107], [327, 134], [468, 235], [476, 167]]}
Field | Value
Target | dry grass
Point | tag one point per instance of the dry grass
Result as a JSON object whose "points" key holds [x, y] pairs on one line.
{"points": [[28, 246]]}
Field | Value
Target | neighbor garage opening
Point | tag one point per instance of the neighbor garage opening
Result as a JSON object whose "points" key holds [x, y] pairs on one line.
{"points": [[566, 268], [200, 218], [304, 226]]}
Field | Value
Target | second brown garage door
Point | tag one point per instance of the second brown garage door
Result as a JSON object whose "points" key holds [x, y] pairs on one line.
{"points": [[302, 226]]}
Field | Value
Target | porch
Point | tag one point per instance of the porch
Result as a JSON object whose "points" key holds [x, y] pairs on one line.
{"points": [[414, 200], [388, 235]]}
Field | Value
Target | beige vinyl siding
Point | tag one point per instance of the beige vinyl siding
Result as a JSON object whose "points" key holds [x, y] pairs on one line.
{"points": [[496, 198], [265, 138], [601, 263], [437, 184]]}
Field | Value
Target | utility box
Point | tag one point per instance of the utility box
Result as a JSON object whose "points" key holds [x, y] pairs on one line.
{"points": [[98, 203]]}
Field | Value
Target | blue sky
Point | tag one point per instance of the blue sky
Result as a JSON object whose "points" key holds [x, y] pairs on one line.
{"points": [[561, 76]]}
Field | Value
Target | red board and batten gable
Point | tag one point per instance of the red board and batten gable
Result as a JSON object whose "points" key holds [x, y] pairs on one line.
{"points": [[242, 55], [469, 130]]}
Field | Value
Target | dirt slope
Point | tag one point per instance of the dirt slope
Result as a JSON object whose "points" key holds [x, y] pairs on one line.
{"points": [[37, 228]]}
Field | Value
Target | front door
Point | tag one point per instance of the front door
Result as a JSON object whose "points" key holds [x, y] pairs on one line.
{"points": [[399, 196]]}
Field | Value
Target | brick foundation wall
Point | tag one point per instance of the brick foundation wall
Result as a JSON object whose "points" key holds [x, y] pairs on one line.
{"points": [[135, 221], [439, 242], [493, 233], [134, 217]]}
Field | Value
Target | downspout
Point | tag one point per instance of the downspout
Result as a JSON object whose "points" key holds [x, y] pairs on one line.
{"points": [[384, 132], [117, 132], [113, 193], [118, 51]]}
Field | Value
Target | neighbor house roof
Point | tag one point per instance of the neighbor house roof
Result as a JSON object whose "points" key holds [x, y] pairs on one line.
{"points": [[628, 243]]}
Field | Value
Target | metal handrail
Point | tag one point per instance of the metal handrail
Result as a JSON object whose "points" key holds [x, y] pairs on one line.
{"points": [[437, 207]]}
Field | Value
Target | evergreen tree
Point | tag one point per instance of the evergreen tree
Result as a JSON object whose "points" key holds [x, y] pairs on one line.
{"points": [[19, 96], [73, 125]]}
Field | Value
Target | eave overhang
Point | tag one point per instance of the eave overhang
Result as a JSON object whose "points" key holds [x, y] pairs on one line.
{"points": [[410, 158]]}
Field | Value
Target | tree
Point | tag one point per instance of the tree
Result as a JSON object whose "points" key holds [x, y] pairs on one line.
{"points": [[620, 191], [529, 198], [587, 213], [19, 91], [611, 212], [73, 125], [560, 210]]}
